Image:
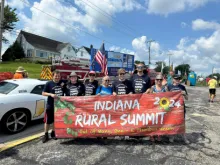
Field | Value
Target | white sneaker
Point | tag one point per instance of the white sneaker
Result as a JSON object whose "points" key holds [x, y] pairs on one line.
{"points": [[126, 137], [146, 138], [171, 139]]}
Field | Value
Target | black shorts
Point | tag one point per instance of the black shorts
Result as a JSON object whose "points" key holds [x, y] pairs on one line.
{"points": [[212, 91], [49, 116]]}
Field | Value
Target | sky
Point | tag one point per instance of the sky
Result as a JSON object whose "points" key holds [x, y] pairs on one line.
{"points": [[188, 30]]}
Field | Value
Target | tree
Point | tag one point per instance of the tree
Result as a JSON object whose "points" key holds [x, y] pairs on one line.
{"points": [[183, 68], [138, 62], [15, 51], [10, 19], [215, 74]]}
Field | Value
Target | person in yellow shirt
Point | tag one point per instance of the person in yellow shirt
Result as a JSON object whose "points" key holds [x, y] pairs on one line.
{"points": [[212, 88]]}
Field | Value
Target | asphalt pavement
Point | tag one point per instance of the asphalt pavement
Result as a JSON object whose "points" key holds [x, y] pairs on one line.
{"points": [[33, 128], [202, 130]]}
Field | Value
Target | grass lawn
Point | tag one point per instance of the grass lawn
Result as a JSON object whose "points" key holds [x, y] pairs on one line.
{"points": [[33, 69]]}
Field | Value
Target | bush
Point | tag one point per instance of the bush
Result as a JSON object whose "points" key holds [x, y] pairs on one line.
{"points": [[24, 60], [42, 62]]}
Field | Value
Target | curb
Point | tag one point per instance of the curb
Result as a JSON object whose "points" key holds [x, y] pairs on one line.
{"points": [[11, 144]]}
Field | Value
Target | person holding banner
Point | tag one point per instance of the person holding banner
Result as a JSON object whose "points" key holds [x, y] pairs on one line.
{"points": [[176, 86], [91, 85], [52, 89], [121, 86], [74, 87], [140, 81], [157, 88], [104, 89]]}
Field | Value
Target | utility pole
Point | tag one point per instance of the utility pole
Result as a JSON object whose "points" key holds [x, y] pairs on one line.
{"points": [[1, 27], [169, 59], [149, 49]]}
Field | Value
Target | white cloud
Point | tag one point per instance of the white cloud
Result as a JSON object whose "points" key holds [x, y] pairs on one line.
{"points": [[200, 24], [165, 7], [122, 50], [76, 16], [18, 4]]}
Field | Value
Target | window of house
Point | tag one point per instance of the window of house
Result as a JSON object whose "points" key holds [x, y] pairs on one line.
{"points": [[81, 53], [38, 89], [41, 54]]}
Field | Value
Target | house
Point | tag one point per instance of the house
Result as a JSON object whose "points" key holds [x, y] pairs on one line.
{"points": [[44, 49], [84, 52]]}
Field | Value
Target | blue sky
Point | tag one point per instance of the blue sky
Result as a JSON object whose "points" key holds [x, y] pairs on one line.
{"points": [[189, 29]]}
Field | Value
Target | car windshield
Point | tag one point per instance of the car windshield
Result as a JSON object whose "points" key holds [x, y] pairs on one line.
{"points": [[6, 87]]}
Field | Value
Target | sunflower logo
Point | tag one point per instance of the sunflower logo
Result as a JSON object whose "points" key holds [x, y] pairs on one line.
{"points": [[164, 103]]}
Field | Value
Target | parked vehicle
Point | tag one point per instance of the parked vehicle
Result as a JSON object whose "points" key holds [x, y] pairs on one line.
{"points": [[21, 101]]}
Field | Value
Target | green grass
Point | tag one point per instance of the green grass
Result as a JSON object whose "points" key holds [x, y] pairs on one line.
{"points": [[33, 69]]}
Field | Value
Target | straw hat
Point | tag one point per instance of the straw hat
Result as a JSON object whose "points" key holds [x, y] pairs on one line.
{"points": [[20, 69]]}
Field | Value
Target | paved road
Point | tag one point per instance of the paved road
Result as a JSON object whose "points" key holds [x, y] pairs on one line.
{"points": [[203, 132], [34, 128]]}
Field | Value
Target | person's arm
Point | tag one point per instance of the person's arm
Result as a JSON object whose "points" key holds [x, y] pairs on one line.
{"points": [[114, 89], [98, 90], [46, 91]]}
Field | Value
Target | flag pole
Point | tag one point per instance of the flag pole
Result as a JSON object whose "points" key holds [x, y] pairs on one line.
{"points": [[93, 60]]}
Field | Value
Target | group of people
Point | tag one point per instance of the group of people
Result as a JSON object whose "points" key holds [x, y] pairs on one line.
{"points": [[138, 83]]}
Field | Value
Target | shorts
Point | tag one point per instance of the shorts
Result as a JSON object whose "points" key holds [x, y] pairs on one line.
{"points": [[212, 91], [49, 116]]}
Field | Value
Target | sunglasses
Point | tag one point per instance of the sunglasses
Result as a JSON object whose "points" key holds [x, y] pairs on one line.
{"points": [[106, 80], [121, 73], [140, 67], [177, 79], [91, 75], [159, 79]]}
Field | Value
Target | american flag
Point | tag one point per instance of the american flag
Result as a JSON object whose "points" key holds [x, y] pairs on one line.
{"points": [[101, 59]]}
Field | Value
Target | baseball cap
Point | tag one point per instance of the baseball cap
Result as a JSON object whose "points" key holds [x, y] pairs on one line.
{"points": [[159, 76], [215, 77], [91, 72], [73, 74], [176, 76]]}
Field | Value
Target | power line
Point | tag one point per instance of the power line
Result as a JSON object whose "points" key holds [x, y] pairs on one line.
{"points": [[116, 29], [76, 28], [108, 15]]}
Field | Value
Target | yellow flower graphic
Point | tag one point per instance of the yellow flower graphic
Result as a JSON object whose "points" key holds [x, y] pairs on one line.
{"points": [[164, 103]]}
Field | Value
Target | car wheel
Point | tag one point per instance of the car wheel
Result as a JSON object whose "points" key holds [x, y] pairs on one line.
{"points": [[15, 121]]}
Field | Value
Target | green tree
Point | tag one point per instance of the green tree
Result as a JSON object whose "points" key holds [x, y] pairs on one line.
{"points": [[10, 19], [183, 68], [138, 62], [159, 66], [15, 51], [215, 74]]}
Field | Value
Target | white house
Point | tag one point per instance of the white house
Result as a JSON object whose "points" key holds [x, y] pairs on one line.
{"points": [[84, 52], [41, 48]]}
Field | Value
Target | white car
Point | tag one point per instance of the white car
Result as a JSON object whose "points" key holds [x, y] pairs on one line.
{"points": [[21, 101]]}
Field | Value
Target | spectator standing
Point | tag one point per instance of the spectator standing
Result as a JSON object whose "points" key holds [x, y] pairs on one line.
{"points": [[121, 86], [176, 86], [140, 81], [91, 85], [19, 74], [52, 89], [104, 88], [74, 87]]}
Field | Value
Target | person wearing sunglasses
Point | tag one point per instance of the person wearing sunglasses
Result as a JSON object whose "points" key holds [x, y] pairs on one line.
{"points": [[91, 85], [74, 87], [176, 86], [121, 86], [140, 81], [157, 88], [104, 88]]}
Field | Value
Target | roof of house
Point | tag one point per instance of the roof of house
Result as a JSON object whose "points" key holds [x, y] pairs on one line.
{"points": [[86, 48], [43, 42]]}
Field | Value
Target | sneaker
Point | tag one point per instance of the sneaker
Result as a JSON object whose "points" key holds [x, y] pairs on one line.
{"points": [[53, 136], [45, 138], [212, 101], [171, 139]]}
